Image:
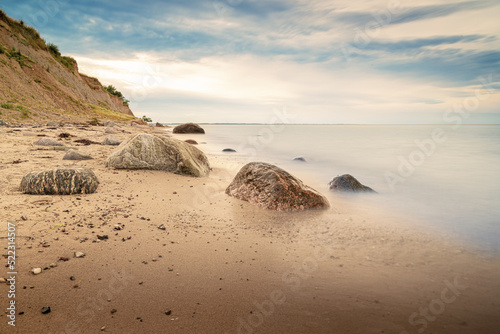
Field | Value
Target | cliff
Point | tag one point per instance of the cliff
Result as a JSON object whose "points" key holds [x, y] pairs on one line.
{"points": [[38, 84]]}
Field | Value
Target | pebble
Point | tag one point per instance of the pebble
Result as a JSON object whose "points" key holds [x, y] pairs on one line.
{"points": [[161, 227], [79, 254], [72, 278], [36, 271], [103, 328], [2, 280], [169, 312], [113, 311], [45, 309], [117, 227], [62, 258]]}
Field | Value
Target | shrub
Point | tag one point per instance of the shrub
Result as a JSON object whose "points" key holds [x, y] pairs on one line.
{"points": [[54, 50], [7, 106], [146, 119], [112, 90]]}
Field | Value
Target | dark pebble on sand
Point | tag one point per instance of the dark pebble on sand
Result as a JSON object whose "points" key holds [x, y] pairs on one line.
{"points": [[72, 278], [169, 312], [45, 310]]}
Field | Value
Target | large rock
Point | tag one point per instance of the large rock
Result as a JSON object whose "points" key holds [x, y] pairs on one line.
{"points": [[188, 128], [62, 181], [75, 155], [110, 130], [111, 140], [146, 151], [271, 187], [48, 142], [348, 183]]}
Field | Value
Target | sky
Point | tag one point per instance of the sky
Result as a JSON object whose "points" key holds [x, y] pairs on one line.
{"points": [[299, 61]]}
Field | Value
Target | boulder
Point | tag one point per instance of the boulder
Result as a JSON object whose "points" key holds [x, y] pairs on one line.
{"points": [[109, 124], [230, 150], [61, 181], [301, 159], [138, 121], [75, 155], [146, 151], [158, 124], [191, 141], [53, 125], [48, 142], [111, 140], [271, 187], [2, 123], [348, 183], [188, 128]]}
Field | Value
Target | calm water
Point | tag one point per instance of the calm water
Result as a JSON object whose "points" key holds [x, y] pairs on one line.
{"points": [[438, 175]]}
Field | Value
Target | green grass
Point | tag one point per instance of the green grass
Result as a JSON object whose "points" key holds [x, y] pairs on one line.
{"points": [[7, 106], [108, 113], [38, 81]]}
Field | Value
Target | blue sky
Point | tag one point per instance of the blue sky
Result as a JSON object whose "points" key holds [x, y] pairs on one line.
{"points": [[321, 61]]}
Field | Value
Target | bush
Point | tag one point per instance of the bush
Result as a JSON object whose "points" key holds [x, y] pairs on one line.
{"points": [[112, 90], [54, 50], [7, 106], [146, 119]]}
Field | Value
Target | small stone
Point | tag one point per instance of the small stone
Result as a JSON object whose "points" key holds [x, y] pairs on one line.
{"points": [[169, 312], [72, 278], [63, 258], [229, 150], [113, 311], [45, 309], [36, 271], [24, 218], [103, 328], [161, 227], [117, 227], [79, 254], [102, 237], [2, 280]]}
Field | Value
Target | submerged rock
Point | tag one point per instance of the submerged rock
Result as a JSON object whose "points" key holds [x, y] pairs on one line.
{"points": [[75, 155], [146, 151], [159, 125], [191, 141], [62, 181], [188, 128], [48, 142], [230, 150], [302, 159], [348, 183], [271, 187], [111, 140]]}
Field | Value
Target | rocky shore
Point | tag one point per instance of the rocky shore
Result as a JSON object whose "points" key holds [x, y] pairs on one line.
{"points": [[155, 251]]}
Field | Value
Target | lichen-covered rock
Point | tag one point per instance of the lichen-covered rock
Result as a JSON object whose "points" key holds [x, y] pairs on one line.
{"points": [[271, 187], [111, 140], [348, 183], [61, 181], [188, 128], [75, 155], [48, 142], [146, 151]]}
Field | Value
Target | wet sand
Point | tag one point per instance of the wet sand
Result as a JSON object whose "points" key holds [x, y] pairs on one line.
{"points": [[222, 265]]}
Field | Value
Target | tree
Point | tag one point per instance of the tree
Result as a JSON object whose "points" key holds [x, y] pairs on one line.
{"points": [[147, 119]]}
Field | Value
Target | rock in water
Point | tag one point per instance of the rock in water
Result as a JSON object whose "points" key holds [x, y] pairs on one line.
{"points": [[302, 159], [191, 141], [271, 187], [75, 155], [62, 181], [111, 140], [145, 151], [348, 183], [188, 128], [48, 142], [158, 124], [229, 150]]}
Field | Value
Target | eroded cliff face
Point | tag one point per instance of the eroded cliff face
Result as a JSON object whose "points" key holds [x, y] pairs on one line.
{"points": [[38, 84]]}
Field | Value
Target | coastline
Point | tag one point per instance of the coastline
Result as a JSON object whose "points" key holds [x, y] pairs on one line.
{"points": [[222, 265]]}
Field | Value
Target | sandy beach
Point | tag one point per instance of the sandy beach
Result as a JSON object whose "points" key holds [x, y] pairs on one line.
{"points": [[182, 257]]}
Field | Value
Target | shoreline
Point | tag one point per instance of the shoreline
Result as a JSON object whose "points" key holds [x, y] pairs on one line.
{"points": [[222, 265]]}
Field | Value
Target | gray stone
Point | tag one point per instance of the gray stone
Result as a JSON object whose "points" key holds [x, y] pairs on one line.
{"points": [[109, 124], [302, 159], [146, 151], [75, 155], [188, 128], [2, 123], [61, 181], [271, 187], [348, 183], [229, 150], [48, 142], [53, 124], [111, 140], [110, 131]]}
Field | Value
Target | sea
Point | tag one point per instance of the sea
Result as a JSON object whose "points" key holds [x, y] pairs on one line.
{"points": [[445, 177]]}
